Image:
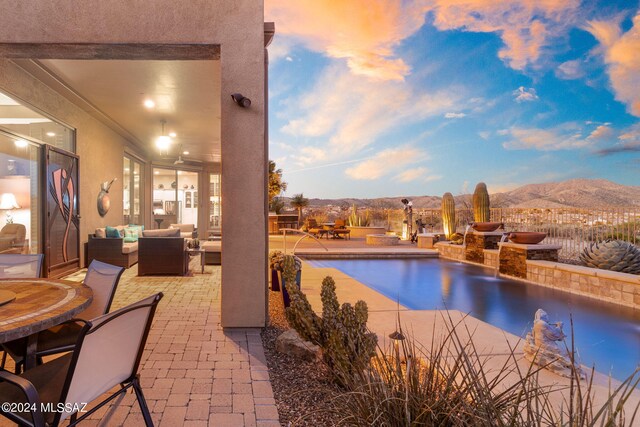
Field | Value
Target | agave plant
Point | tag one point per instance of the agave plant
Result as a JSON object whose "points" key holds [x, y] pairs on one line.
{"points": [[614, 255]]}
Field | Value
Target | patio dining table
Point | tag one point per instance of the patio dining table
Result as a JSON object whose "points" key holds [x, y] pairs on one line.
{"points": [[38, 304]]}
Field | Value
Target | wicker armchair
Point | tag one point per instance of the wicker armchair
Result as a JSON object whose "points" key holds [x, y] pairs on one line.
{"points": [[162, 255]]}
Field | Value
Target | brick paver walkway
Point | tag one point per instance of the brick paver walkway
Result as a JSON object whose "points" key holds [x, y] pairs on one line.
{"points": [[193, 373]]}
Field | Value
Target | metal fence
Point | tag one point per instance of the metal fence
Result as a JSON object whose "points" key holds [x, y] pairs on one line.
{"points": [[573, 228]]}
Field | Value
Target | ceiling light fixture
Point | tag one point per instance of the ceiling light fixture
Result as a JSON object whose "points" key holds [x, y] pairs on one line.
{"points": [[20, 143], [149, 103], [241, 100], [186, 153], [163, 141], [172, 134], [51, 134]]}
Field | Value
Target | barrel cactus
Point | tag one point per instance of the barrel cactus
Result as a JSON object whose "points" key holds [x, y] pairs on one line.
{"points": [[448, 215], [481, 204], [614, 255]]}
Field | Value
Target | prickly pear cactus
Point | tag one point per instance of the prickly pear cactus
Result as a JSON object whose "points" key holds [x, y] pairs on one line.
{"points": [[614, 255], [448, 215], [300, 315], [481, 204]]}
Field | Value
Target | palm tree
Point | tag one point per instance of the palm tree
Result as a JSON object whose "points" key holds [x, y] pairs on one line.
{"points": [[276, 184], [298, 201]]}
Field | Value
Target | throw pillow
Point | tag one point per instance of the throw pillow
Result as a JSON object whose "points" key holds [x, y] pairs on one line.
{"points": [[113, 232], [131, 233], [130, 239]]}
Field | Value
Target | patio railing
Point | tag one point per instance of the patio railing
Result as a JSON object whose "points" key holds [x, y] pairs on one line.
{"points": [[573, 228]]}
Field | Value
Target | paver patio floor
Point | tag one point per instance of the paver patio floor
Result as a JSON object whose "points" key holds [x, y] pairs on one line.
{"points": [[193, 373]]}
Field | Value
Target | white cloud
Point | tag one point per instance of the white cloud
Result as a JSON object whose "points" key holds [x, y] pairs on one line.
{"points": [[386, 162], [564, 137], [411, 174], [309, 155], [522, 94], [345, 110], [620, 53], [484, 134], [289, 59], [454, 115], [570, 70]]}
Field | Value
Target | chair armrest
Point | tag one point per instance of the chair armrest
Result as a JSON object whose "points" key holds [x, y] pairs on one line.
{"points": [[30, 393]]}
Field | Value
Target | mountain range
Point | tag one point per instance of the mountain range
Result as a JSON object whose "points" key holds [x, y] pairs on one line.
{"points": [[579, 193]]}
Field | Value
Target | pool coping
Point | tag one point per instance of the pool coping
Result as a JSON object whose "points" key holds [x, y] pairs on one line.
{"points": [[426, 325]]}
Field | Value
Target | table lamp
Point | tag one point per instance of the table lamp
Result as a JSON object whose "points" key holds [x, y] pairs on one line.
{"points": [[8, 202]]}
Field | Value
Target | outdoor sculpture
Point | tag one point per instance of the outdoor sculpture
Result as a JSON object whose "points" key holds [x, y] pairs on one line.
{"points": [[541, 347]]}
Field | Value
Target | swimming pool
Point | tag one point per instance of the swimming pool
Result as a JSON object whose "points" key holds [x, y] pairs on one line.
{"points": [[606, 335]]}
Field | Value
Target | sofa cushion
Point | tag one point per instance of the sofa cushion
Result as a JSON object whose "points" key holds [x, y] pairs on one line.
{"points": [[184, 228], [211, 246], [101, 233], [113, 232], [128, 248], [163, 232]]}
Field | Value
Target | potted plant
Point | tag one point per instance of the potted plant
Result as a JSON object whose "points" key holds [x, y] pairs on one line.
{"points": [[276, 262]]}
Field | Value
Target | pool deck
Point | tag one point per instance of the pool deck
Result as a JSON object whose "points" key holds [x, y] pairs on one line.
{"points": [[491, 343]]}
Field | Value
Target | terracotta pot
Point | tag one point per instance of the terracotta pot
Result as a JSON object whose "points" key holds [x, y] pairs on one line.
{"points": [[486, 226], [527, 237]]}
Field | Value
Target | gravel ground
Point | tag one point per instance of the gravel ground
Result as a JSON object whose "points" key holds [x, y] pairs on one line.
{"points": [[303, 390]]}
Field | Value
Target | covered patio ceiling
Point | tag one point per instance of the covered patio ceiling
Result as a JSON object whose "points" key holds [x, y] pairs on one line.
{"points": [[186, 94]]}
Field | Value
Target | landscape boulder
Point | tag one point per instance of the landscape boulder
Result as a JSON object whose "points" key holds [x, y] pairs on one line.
{"points": [[289, 342]]}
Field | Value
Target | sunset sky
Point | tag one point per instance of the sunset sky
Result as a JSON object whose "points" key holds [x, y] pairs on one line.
{"points": [[373, 98]]}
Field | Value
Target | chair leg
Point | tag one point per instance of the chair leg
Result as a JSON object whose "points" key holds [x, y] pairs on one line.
{"points": [[142, 402], [4, 360]]}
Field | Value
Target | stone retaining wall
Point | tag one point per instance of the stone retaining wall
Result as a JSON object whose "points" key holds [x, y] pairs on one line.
{"points": [[611, 286], [447, 250], [478, 242]]}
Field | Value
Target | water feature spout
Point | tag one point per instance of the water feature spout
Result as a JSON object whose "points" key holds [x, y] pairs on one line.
{"points": [[464, 239], [503, 239]]}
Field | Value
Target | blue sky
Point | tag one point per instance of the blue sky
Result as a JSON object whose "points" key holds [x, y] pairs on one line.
{"points": [[373, 98]]}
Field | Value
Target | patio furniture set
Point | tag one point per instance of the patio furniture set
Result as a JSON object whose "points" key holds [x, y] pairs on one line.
{"points": [[335, 230], [160, 251], [98, 349]]}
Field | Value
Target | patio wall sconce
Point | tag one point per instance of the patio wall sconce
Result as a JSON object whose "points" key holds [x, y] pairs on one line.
{"points": [[241, 100]]}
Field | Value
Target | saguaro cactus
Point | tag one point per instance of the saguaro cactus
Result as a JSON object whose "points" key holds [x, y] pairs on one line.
{"points": [[448, 215], [481, 204]]}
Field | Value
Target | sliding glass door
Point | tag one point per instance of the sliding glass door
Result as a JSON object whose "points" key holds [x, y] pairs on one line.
{"points": [[133, 183], [175, 197]]}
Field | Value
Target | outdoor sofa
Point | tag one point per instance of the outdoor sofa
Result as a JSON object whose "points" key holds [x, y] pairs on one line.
{"points": [[162, 252]]}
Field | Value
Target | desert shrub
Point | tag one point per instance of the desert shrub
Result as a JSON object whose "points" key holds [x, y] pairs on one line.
{"points": [[451, 384]]}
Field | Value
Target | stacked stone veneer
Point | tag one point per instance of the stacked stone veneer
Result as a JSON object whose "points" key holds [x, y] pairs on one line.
{"points": [[619, 288], [610, 286], [513, 257], [447, 250], [477, 242]]}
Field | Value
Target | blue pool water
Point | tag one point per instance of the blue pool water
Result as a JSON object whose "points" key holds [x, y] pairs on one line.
{"points": [[606, 335]]}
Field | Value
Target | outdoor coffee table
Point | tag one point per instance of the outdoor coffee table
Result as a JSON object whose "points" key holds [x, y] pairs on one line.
{"points": [[195, 251], [39, 304]]}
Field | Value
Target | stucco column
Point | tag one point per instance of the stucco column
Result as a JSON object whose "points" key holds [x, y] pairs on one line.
{"points": [[244, 188]]}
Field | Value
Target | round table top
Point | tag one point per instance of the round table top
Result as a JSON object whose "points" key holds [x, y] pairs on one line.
{"points": [[39, 305]]}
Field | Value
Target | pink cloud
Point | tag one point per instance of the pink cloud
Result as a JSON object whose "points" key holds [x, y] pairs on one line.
{"points": [[620, 53], [363, 32], [525, 27]]}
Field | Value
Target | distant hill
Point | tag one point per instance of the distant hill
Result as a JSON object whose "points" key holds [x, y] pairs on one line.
{"points": [[581, 193]]}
